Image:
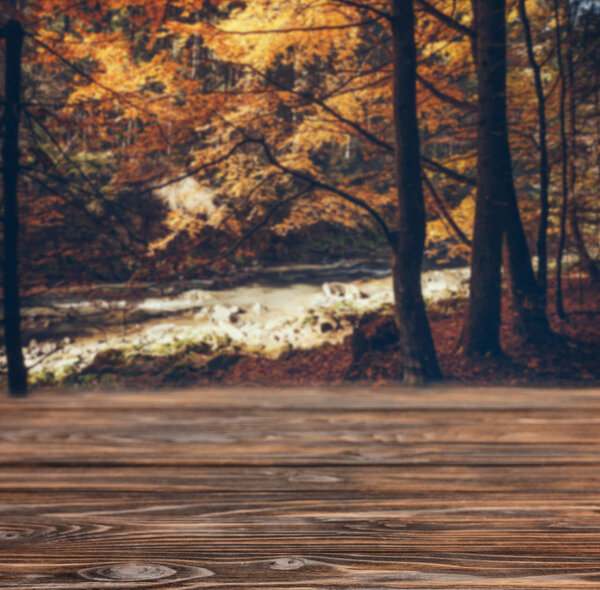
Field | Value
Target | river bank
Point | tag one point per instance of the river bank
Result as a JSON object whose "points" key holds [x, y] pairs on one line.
{"points": [[293, 310], [288, 323]]}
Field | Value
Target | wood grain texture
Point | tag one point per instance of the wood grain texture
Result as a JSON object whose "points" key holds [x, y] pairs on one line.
{"points": [[301, 489]]}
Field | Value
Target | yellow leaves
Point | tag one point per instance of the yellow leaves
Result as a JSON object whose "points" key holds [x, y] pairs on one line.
{"points": [[265, 31], [463, 215], [186, 30]]}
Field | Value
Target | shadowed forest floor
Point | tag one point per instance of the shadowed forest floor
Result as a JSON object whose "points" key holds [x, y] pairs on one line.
{"points": [[574, 360]]}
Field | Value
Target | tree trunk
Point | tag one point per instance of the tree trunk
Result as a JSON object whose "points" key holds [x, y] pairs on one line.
{"points": [[481, 333], [530, 321], [587, 263], [17, 373], [564, 156], [416, 343], [497, 212], [542, 237]]}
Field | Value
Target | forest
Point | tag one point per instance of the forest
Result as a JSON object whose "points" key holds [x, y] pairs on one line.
{"points": [[425, 172]]}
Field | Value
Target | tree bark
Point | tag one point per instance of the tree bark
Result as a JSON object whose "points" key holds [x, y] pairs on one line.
{"points": [[17, 373], [481, 333], [564, 156], [587, 263], [530, 321], [416, 343], [496, 212], [544, 170]]}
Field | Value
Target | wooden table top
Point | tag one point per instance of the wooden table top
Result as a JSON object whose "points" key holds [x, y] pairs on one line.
{"points": [[298, 489]]}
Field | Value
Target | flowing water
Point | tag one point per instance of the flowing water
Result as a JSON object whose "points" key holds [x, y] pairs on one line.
{"points": [[296, 306]]}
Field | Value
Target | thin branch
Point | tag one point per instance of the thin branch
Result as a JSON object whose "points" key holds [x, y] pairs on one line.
{"points": [[461, 104], [436, 166], [72, 201], [198, 169], [366, 7], [93, 192], [447, 20], [327, 187], [92, 80], [57, 348], [63, 153], [302, 193], [441, 206], [299, 29], [320, 102]]}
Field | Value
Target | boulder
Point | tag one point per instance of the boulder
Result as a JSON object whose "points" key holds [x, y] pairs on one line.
{"points": [[222, 363], [374, 333], [343, 291], [258, 309], [221, 313]]}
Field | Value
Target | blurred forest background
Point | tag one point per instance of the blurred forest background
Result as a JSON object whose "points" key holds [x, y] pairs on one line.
{"points": [[164, 143]]}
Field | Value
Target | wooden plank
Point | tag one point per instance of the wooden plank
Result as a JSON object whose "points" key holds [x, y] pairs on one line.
{"points": [[301, 489]]}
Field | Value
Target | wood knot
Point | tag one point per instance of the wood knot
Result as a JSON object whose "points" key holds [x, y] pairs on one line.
{"points": [[129, 572], [143, 572], [288, 563]]}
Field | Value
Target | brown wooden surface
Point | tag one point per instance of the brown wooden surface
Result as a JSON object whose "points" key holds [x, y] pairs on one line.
{"points": [[339, 488]]}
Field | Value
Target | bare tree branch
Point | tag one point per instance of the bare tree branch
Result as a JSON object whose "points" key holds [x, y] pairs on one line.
{"points": [[90, 79], [435, 166], [441, 169], [366, 7], [299, 29], [447, 20], [327, 187], [441, 207], [301, 193], [461, 104]]}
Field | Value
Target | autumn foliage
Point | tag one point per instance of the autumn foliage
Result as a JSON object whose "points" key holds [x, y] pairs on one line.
{"points": [[282, 112]]}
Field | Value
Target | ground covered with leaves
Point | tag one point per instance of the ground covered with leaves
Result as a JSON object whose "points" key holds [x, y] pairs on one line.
{"points": [[572, 356]]}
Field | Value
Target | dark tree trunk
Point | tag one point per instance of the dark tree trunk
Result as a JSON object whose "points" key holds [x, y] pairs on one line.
{"points": [[529, 321], [416, 343], [564, 156], [481, 334], [529, 300], [586, 262], [496, 212], [542, 237], [17, 373]]}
